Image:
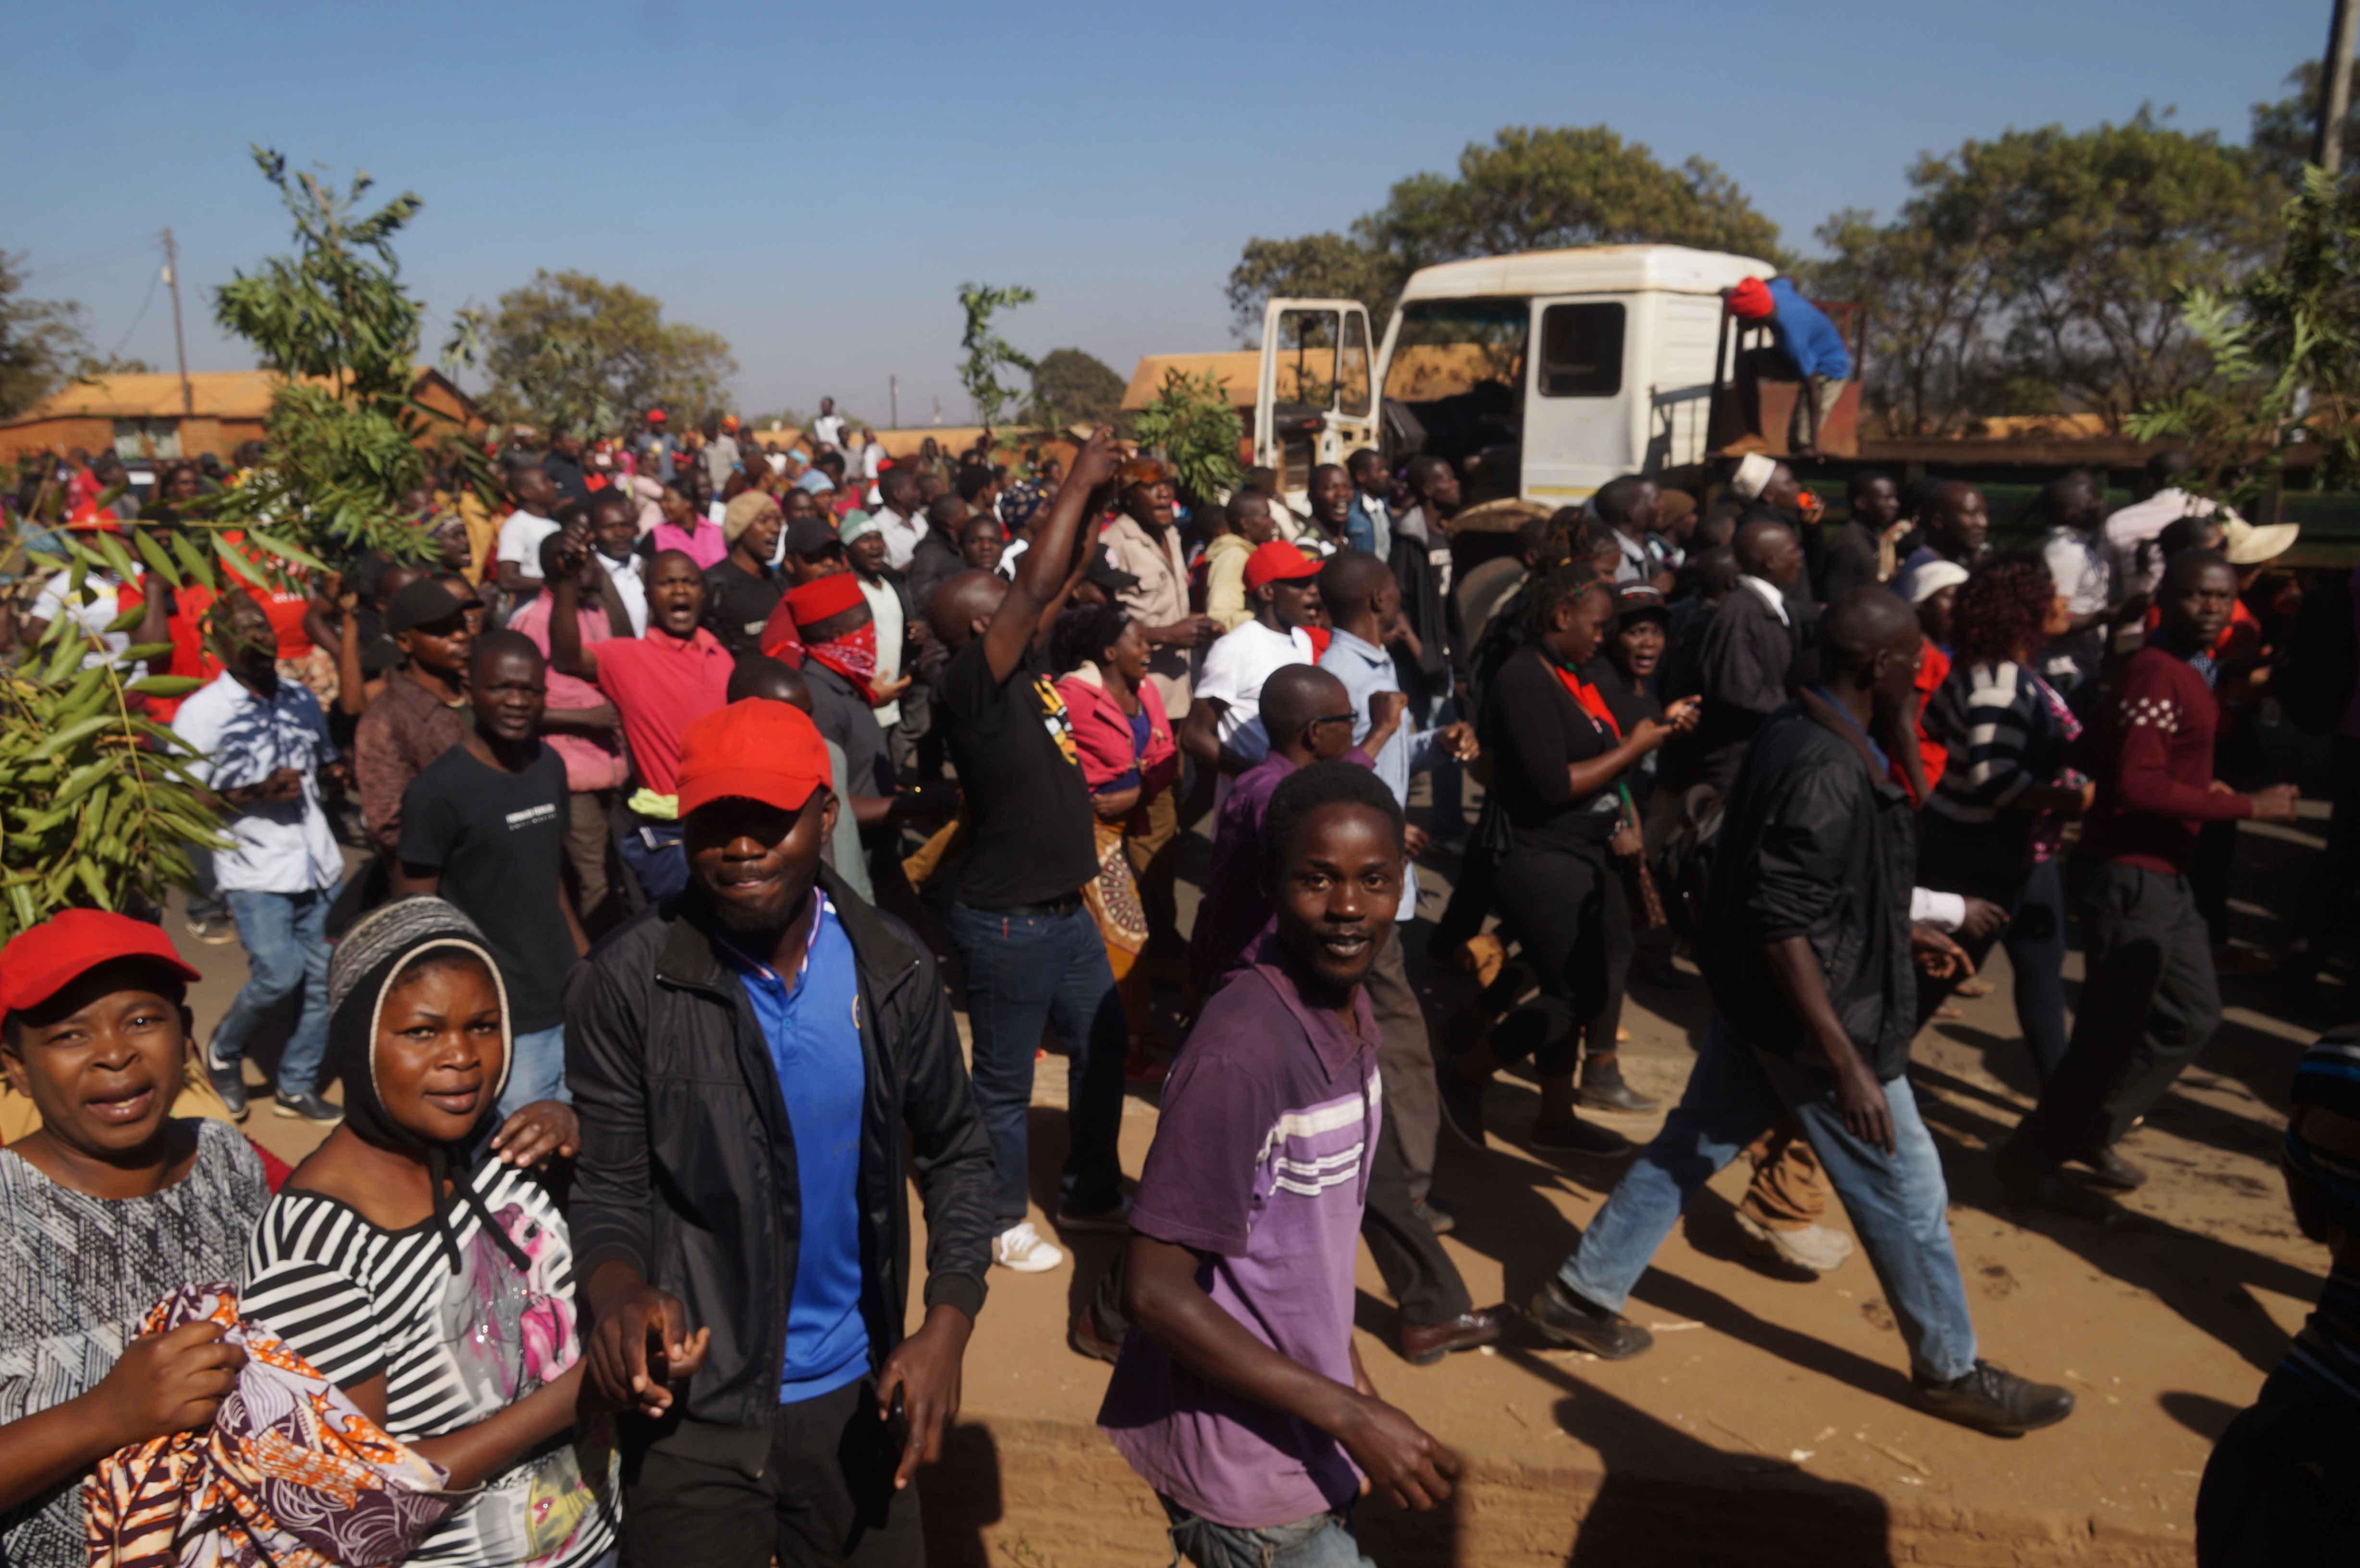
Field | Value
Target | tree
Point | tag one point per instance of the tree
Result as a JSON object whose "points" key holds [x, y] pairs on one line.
{"points": [[2285, 131], [1193, 424], [569, 349], [1533, 188], [2284, 352], [2038, 271], [987, 352], [1070, 388], [41, 342], [347, 441]]}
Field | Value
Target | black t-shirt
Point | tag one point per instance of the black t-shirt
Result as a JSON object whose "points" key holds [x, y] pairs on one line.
{"points": [[736, 605], [1629, 705], [1028, 815], [842, 717], [1533, 730], [499, 840]]}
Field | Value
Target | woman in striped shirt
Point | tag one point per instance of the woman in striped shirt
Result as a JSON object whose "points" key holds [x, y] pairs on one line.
{"points": [[1991, 828], [419, 1259]]}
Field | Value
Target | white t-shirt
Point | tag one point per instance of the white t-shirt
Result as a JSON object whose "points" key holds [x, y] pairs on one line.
{"points": [[631, 586], [829, 428], [901, 537], [1236, 665], [521, 539], [281, 846], [873, 460], [892, 641], [56, 602]]}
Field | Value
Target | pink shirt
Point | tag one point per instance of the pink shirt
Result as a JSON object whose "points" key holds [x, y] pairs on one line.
{"points": [[705, 547], [661, 685], [592, 762]]}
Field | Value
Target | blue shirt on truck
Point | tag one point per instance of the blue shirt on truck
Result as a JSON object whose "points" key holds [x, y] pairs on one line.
{"points": [[1803, 331]]}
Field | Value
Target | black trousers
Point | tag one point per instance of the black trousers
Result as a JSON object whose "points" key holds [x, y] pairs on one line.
{"points": [[2326, 909], [2148, 1006], [1572, 922], [823, 1495], [1424, 1282]]}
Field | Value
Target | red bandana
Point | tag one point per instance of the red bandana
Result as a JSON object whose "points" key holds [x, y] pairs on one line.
{"points": [[1589, 699], [852, 656]]}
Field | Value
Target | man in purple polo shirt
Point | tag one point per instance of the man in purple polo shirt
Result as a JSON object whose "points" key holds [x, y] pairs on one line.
{"points": [[1242, 1398]]}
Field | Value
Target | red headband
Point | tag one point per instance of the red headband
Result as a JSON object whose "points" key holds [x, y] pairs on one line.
{"points": [[822, 597]]}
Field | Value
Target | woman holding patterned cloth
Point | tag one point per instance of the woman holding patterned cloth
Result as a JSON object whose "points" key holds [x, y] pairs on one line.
{"points": [[1559, 757], [1130, 763]]}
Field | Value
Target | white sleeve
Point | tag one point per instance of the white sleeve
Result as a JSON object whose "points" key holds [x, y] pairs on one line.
{"points": [[194, 725], [1944, 911], [1224, 662]]}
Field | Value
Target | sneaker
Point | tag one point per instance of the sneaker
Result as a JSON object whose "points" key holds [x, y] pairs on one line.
{"points": [[1114, 1221], [1462, 1104], [308, 1107], [1439, 1220], [228, 1079], [1574, 1136], [1993, 1400], [1566, 1318], [1814, 1247], [1019, 1248], [212, 926]]}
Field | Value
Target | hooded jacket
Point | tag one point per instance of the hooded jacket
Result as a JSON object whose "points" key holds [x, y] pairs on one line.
{"points": [[688, 1170], [1816, 841]]}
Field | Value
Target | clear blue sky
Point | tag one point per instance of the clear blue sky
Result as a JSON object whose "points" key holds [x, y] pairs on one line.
{"points": [[817, 190]]}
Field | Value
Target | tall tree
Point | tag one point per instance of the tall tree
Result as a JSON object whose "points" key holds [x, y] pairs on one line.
{"points": [[1532, 189], [989, 354], [41, 342], [1194, 426], [569, 349], [1072, 388]]}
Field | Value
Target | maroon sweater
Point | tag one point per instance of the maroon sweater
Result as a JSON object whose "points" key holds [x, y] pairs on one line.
{"points": [[2152, 761]]}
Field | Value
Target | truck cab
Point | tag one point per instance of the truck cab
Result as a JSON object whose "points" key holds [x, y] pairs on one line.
{"points": [[1542, 375]]}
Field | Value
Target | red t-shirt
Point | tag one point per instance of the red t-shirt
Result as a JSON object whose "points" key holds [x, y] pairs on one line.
{"points": [[1932, 755], [661, 685]]}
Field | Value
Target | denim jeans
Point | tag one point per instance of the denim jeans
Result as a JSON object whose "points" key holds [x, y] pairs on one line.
{"points": [[1024, 970], [537, 1070], [1323, 1540], [1897, 1201], [286, 938]]}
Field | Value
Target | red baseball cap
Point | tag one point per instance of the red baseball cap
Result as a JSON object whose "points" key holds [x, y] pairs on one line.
{"points": [[1275, 560], [655, 416], [755, 749], [39, 962]]}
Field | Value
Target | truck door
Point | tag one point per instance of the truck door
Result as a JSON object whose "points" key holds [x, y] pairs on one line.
{"points": [[1316, 398], [1582, 426]]}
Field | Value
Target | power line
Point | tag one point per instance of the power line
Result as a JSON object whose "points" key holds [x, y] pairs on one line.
{"points": [[149, 298], [113, 253]]}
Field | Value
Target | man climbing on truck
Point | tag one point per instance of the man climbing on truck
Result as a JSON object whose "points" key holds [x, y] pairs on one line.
{"points": [[1810, 347]]}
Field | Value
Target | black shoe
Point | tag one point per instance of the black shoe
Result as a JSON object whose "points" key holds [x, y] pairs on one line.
{"points": [[1993, 1400], [1439, 1220], [1462, 1104], [2046, 1186], [1574, 1136], [2112, 1171], [1423, 1344], [1569, 1320], [1083, 1337], [1603, 1089], [308, 1107]]}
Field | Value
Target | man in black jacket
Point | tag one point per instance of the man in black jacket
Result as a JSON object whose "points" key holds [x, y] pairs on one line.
{"points": [[1745, 663], [1810, 949], [745, 1059]]}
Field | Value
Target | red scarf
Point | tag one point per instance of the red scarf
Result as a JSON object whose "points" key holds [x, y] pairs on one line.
{"points": [[852, 656]]}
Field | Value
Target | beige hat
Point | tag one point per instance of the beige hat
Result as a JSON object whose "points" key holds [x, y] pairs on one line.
{"points": [[1753, 477], [743, 508], [2243, 544]]}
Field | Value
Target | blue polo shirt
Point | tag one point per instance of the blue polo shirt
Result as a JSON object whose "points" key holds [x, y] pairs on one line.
{"points": [[812, 1025]]}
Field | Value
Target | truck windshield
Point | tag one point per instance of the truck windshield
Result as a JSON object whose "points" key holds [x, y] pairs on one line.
{"points": [[1455, 387]]}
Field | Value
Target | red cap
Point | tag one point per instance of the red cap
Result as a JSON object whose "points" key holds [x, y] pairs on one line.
{"points": [[39, 962], [1751, 301], [755, 749], [655, 416], [729, 422], [1275, 560], [821, 597]]}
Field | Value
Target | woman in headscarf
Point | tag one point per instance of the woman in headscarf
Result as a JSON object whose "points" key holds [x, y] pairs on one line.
{"points": [[419, 1259]]}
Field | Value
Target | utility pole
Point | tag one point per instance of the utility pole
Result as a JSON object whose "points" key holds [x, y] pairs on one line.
{"points": [[2335, 88], [893, 398], [180, 341]]}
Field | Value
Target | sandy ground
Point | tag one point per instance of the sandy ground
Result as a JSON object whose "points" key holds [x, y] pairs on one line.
{"points": [[2163, 1321]]}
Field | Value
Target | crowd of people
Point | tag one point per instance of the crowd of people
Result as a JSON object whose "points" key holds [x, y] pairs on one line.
{"points": [[620, 855]]}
